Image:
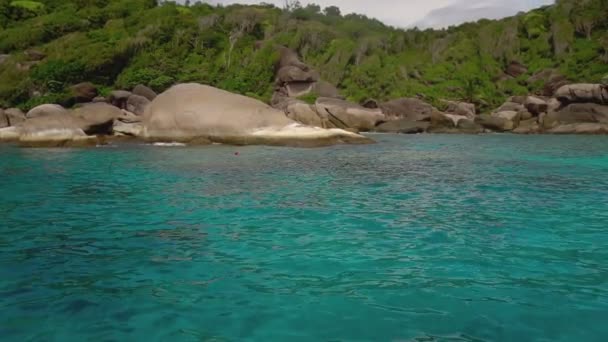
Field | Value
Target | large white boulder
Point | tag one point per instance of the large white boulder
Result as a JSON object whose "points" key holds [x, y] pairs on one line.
{"points": [[199, 113]]}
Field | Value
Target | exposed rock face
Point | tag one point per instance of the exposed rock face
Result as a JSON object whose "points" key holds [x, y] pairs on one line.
{"points": [[144, 91], [121, 128], [529, 126], [494, 123], [54, 131], [4, 58], [306, 114], [577, 113], [137, 104], [347, 115], [510, 106], [119, 98], [83, 92], [9, 134], [582, 93], [45, 110], [461, 108], [469, 126], [407, 108], [14, 115], [512, 116], [403, 126], [293, 74], [580, 128], [196, 113], [440, 121], [296, 79], [536, 105], [371, 104], [96, 118]]}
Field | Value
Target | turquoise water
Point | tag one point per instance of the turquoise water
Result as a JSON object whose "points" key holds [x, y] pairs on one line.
{"points": [[425, 238]]}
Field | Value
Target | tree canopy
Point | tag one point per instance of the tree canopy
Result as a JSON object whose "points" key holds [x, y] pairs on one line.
{"points": [[122, 43]]}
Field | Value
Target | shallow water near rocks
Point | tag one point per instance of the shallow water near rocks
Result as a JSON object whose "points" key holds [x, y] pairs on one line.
{"points": [[429, 238]]}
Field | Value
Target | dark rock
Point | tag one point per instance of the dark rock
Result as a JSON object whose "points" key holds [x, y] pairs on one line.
{"points": [[119, 98], [370, 103], [83, 92], [536, 105], [144, 91], [403, 126]]}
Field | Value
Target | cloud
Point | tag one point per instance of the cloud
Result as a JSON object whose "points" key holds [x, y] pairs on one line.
{"points": [[466, 10], [428, 13]]}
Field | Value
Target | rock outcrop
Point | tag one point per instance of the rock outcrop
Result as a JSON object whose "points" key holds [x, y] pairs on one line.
{"points": [[495, 123], [14, 115], [403, 126], [144, 91], [346, 115], [45, 110], [83, 92], [137, 104], [583, 93], [195, 113], [54, 131], [119, 98], [296, 79], [461, 109], [412, 109]]}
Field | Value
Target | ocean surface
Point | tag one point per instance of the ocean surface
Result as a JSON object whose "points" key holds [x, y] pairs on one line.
{"points": [[416, 238]]}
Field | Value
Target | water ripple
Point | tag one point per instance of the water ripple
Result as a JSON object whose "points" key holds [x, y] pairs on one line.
{"points": [[421, 238]]}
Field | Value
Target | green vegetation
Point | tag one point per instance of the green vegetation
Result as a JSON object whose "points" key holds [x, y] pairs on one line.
{"points": [[121, 43]]}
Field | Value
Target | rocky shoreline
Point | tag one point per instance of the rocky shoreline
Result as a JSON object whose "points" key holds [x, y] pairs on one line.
{"points": [[199, 114]]}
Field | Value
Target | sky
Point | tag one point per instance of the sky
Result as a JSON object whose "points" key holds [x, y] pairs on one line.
{"points": [[422, 13]]}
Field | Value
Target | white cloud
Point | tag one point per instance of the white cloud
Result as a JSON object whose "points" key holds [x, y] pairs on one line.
{"points": [[433, 13]]}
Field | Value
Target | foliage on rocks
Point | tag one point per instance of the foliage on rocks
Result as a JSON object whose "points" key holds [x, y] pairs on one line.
{"points": [[123, 43]]}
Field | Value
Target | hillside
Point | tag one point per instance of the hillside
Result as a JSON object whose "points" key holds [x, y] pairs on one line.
{"points": [[48, 45]]}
